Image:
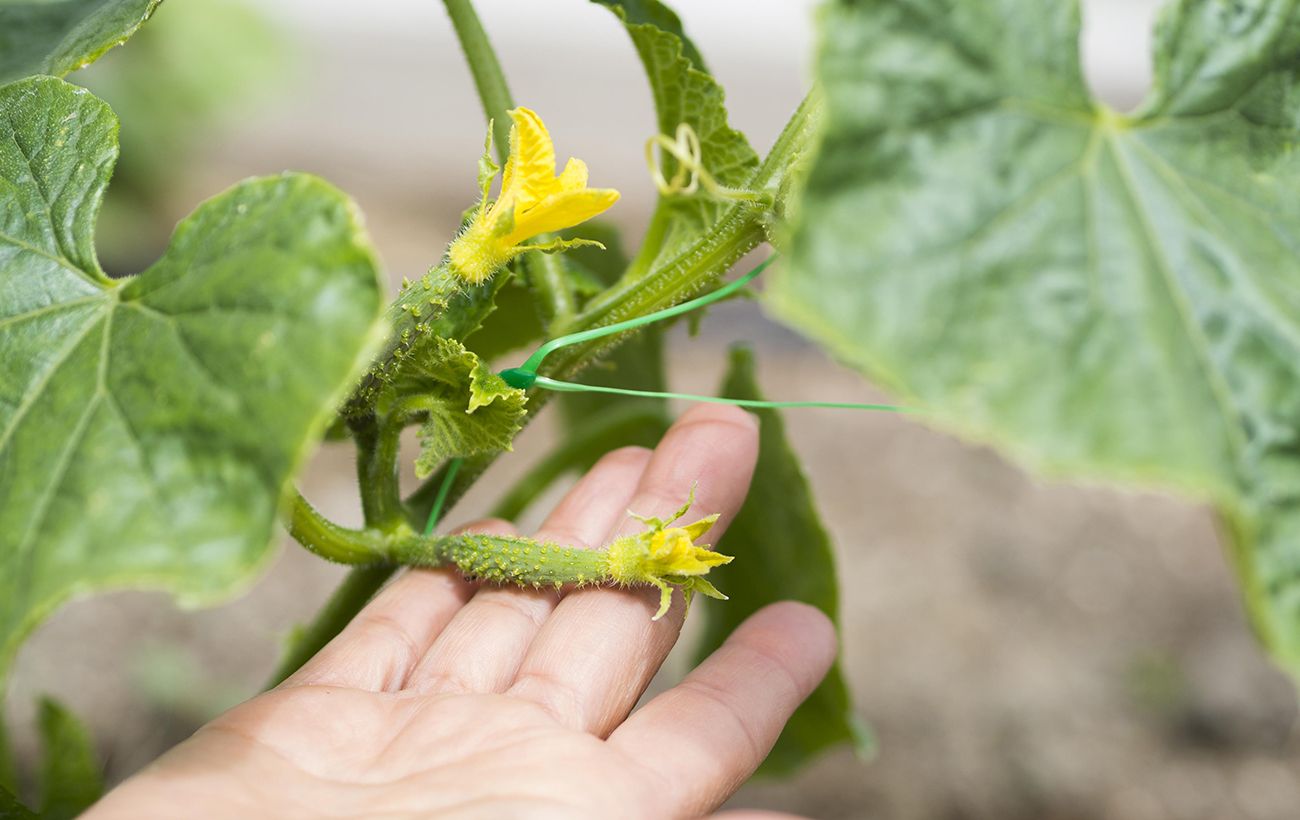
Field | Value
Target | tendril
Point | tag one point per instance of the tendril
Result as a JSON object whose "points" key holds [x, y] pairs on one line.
{"points": [[690, 175]]}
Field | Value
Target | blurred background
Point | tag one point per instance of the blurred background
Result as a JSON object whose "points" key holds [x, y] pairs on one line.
{"points": [[1022, 649]]}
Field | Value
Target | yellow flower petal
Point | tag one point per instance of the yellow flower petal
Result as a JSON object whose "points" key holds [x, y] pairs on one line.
{"points": [[664, 555], [574, 175], [559, 211], [533, 201], [530, 169], [700, 527]]}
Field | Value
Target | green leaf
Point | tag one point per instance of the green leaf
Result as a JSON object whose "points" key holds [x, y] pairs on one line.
{"points": [[149, 425], [783, 554], [43, 37], [1100, 295], [8, 771], [468, 409], [71, 776], [684, 92], [11, 809]]}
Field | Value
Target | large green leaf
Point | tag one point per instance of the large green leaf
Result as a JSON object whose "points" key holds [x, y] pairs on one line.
{"points": [[784, 555], [684, 92], [71, 776], [148, 425], [58, 36], [1101, 295]]}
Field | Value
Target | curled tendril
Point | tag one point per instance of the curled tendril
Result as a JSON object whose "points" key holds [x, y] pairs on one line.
{"points": [[691, 175]]}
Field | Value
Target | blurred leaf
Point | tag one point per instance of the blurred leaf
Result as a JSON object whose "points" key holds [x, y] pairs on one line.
{"points": [[8, 771], [43, 37], [11, 809], [1100, 295], [173, 679], [148, 426], [782, 553], [198, 63], [602, 266], [684, 92], [470, 410], [71, 776]]}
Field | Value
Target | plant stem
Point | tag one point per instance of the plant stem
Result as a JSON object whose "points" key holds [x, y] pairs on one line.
{"points": [[545, 273], [547, 279], [378, 443], [330, 541], [357, 589], [489, 79]]}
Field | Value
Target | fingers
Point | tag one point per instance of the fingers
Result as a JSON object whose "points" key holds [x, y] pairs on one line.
{"points": [[389, 636], [706, 735], [595, 656], [480, 650]]}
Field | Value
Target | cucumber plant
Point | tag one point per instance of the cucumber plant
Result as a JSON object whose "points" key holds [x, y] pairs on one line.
{"points": [[1100, 295]]}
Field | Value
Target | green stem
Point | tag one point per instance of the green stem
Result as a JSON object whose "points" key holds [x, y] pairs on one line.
{"points": [[355, 592], [330, 541], [489, 79], [378, 445], [576, 451], [547, 279], [650, 243], [545, 273], [437, 304]]}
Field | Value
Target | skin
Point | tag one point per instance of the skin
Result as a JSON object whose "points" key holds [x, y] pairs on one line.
{"points": [[446, 699]]}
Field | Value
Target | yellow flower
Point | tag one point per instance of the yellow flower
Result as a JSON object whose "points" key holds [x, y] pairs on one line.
{"points": [[533, 201], [666, 555]]}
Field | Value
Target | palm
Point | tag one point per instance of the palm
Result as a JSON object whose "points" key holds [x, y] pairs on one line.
{"points": [[440, 699], [427, 753]]}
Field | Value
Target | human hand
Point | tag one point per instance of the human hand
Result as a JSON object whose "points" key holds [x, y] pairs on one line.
{"points": [[446, 699]]}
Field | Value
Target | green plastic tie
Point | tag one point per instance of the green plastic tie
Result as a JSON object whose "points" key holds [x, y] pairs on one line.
{"points": [[440, 500], [571, 387], [525, 376], [535, 361]]}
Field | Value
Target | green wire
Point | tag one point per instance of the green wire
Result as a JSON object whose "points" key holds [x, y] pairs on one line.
{"points": [[571, 387], [435, 512], [535, 361], [525, 376]]}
